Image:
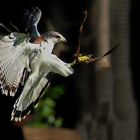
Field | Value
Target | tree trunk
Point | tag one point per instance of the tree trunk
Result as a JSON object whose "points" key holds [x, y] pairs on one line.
{"points": [[112, 114], [97, 96], [125, 125], [103, 117]]}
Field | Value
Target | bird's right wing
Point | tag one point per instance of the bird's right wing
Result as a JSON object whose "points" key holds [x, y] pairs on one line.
{"points": [[13, 61]]}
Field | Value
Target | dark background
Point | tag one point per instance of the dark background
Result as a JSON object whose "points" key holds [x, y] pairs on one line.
{"points": [[71, 12], [135, 30]]}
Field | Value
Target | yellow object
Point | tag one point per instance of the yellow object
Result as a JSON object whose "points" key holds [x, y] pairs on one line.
{"points": [[84, 59]]}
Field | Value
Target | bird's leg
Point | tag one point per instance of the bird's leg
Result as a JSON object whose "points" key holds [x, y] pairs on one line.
{"points": [[60, 67]]}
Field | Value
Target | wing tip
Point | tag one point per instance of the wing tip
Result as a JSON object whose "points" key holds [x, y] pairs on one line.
{"points": [[7, 91]]}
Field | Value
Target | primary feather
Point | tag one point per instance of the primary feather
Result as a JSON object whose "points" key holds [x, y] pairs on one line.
{"points": [[13, 61]]}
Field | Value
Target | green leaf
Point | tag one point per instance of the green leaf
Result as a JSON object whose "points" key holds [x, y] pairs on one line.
{"points": [[51, 120], [47, 111], [56, 92], [59, 122]]}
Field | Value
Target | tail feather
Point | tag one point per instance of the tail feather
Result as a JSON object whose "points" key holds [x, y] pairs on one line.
{"points": [[24, 104]]}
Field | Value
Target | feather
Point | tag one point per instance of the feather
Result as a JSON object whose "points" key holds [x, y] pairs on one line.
{"points": [[41, 65], [13, 61], [25, 103], [17, 56]]}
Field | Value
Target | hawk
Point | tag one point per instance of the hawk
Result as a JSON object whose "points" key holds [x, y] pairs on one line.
{"points": [[31, 53], [19, 56]]}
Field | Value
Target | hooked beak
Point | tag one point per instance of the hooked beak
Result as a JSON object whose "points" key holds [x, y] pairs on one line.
{"points": [[63, 39]]}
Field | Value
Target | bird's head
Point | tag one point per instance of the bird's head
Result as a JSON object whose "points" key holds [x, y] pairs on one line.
{"points": [[55, 37]]}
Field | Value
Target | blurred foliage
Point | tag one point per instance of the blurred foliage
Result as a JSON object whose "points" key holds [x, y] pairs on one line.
{"points": [[45, 115]]}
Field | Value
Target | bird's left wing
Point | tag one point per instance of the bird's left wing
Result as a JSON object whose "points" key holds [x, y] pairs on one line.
{"points": [[14, 58]]}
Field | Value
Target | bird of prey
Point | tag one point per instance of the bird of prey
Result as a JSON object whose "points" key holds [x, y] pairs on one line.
{"points": [[19, 56], [27, 59]]}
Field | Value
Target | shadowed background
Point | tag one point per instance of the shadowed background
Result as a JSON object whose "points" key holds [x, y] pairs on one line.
{"points": [[100, 101]]}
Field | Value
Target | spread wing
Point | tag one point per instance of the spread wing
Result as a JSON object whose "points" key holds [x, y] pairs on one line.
{"points": [[14, 57]]}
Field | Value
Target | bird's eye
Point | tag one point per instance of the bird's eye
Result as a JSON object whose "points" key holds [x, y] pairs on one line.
{"points": [[57, 36]]}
